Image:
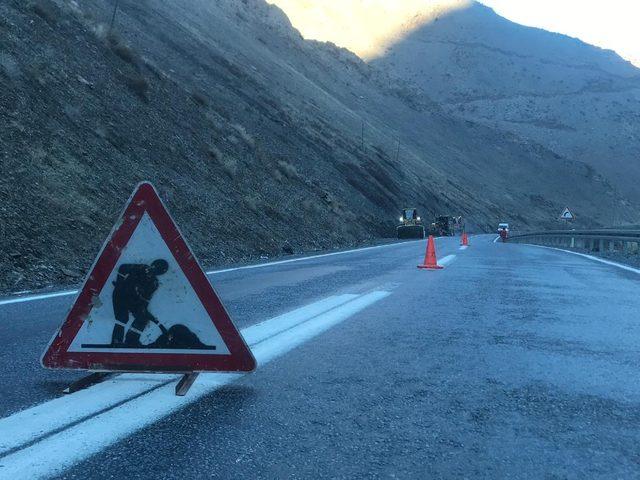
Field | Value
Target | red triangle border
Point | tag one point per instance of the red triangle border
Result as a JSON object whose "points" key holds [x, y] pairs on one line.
{"points": [[145, 199]]}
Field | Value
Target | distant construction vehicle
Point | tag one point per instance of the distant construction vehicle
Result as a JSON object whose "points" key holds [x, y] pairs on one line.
{"points": [[444, 226], [410, 224], [459, 224]]}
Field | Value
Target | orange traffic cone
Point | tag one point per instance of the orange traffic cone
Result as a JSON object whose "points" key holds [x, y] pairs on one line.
{"points": [[464, 241], [430, 260]]}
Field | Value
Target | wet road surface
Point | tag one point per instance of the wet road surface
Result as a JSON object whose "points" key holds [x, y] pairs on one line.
{"points": [[512, 362]]}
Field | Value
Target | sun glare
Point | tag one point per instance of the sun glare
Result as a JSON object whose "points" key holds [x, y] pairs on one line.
{"points": [[366, 27]]}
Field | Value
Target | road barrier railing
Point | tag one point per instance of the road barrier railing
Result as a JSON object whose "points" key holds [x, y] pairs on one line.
{"points": [[604, 240]]}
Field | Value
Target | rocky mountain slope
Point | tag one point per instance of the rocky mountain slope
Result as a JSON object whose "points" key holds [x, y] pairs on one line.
{"points": [[260, 142], [575, 99], [580, 101]]}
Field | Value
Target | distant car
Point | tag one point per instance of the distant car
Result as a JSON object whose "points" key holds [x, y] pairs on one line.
{"points": [[503, 231], [503, 227]]}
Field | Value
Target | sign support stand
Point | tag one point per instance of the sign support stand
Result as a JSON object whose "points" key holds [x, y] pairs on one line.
{"points": [[182, 388], [185, 383], [147, 306], [88, 381]]}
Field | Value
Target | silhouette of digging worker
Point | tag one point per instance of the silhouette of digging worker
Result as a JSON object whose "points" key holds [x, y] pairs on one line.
{"points": [[133, 289]]}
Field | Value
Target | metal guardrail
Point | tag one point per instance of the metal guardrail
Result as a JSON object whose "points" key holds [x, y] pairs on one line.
{"points": [[603, 240]]}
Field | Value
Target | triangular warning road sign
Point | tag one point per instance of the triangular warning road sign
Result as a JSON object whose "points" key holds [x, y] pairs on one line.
{"points": [[566, 214], [147, 305]]}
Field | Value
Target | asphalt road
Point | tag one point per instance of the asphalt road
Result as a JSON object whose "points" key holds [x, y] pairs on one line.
{"points": [[512, 362]]}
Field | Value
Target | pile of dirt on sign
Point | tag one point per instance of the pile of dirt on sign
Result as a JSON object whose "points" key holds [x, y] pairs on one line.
{"points": [[259, 141]]}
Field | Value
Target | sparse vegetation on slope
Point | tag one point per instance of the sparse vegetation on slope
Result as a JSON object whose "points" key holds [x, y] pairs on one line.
{"points": [[260, 142]]}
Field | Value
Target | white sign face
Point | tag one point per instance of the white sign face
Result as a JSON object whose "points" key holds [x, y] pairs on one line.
{"points": [[148, 304], [566, 214]]}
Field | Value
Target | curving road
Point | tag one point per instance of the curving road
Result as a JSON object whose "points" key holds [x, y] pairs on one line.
{"points": [[514, 361]]}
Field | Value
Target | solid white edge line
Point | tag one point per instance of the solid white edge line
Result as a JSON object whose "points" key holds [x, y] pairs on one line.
{"points": [[590, 257], [32, 423], [60, 451], [40, 296], [311, 257], [44, 296]]}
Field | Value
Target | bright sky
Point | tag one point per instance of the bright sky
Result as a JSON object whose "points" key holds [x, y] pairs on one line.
{"points": [[366, 27], [612, 24]]}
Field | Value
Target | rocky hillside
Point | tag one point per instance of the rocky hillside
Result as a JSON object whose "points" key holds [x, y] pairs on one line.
{"points": [[575, 99], [261, 142]]}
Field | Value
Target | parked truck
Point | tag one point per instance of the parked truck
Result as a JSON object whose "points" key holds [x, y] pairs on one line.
{"points": [[443, 226]]}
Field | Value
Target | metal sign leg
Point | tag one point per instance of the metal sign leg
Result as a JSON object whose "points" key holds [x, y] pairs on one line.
{"points": [[185, 383], [89, 380]]}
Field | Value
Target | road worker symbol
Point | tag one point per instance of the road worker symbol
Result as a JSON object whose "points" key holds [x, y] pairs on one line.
{"points": [[133, 289], [147, 305]]}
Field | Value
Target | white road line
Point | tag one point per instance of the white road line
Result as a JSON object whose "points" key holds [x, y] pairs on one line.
{"points": [[590, 257], [60, 451], [44, 296], [28, 425], [41, 296], [312, 257], [446, 260], [495, 240], [464, 247]]}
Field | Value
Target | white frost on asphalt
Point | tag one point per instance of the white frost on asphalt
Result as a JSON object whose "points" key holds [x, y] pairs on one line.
{"points": [[272, 338]]}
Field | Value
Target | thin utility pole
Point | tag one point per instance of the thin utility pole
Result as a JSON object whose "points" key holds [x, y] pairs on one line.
{"points": [[113, 17], [614, 215]]}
